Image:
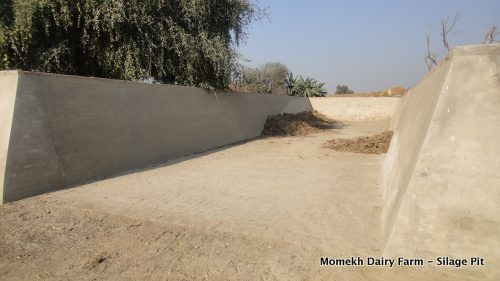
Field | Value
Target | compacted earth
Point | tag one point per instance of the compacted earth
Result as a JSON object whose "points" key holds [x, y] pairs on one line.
{"points": [[268, 209]]}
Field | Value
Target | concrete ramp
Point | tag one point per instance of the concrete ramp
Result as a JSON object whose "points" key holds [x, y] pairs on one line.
{"points": [[442, 173]]}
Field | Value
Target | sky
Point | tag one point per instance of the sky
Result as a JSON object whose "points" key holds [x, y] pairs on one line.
{"points": [[366, 45]]}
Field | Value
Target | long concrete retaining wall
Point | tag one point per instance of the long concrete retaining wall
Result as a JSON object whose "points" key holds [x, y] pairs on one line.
{"points": [[443, 168], [57, 131], [356, 108]]}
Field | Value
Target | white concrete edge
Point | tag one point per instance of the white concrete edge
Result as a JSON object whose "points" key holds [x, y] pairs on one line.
{"points": [[9, 100]]}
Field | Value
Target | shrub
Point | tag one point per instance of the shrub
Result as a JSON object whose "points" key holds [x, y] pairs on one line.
{"points": [[343, 89], [269, 78]]}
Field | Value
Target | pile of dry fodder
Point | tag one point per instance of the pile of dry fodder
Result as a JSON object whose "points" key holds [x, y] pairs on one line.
{"points": [[376, 144], [303, 123]]}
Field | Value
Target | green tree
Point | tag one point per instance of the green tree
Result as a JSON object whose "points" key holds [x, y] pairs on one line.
{"points": [[342, 90], [188, 42], [309, 87], [269, 78]]}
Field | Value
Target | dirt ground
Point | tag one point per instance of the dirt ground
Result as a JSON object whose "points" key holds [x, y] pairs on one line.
{"points": [[43, 241], [264, 210], [375, 144]]}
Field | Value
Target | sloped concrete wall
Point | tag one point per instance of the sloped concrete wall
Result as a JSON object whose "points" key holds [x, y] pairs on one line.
{"points": [[410, 124], [450, 206], [69, 130], [356, 108]]}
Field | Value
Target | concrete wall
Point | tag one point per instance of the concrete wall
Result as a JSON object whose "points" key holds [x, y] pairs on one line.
{"points": [[410, 124], [356, 108], [69, 130], [450, 203]]}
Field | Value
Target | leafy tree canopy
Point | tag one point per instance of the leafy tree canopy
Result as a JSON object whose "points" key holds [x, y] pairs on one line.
{"points": [[187, 42]]}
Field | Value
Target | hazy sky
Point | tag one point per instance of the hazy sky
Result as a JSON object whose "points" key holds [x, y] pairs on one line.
{"points": [[367, 45]]}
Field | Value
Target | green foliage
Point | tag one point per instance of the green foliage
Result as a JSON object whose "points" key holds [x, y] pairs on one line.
{"points": [[269, 78], [309, 87], [188, 42], [343, 89]]}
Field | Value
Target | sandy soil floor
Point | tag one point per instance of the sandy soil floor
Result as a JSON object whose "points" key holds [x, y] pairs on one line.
{"points": [[267, 209]]}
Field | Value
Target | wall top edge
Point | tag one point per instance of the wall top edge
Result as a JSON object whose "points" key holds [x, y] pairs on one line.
{"points": [[107, 80], [9, 72], [356, 97]]}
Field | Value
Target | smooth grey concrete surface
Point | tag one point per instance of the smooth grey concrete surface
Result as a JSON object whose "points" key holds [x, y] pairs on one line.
{"points": [[356, 108], [69, 130], [449, 202]]}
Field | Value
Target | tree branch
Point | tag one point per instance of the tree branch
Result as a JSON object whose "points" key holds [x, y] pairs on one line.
{"points": [[447, 28]]}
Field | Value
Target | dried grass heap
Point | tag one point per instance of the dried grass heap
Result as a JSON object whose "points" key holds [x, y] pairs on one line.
{"points": [[303, 123], [376, 144]]}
